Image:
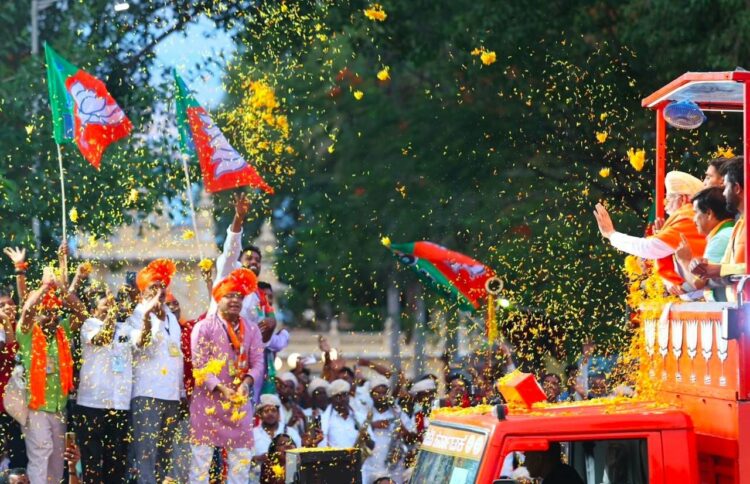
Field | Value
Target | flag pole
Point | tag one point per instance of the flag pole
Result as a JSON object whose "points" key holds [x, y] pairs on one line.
{"points": [[190, 201], [62, 192]]}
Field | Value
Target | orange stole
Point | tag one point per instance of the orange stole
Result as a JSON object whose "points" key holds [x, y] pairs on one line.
{"points": [[680, 222], [737, 243]]}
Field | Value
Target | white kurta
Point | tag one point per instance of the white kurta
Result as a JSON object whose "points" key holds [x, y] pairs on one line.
{"points": [[376, 464], [643, 247]]}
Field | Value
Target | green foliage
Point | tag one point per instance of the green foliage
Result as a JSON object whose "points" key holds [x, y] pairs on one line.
{"points": [[136, 173], [499, 161]]}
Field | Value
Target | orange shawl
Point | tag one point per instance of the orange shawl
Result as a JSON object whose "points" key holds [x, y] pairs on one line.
{"points": [[679, 223], [38, 372]]}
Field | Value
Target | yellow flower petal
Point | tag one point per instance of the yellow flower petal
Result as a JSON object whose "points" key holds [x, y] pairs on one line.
{"points": [[358, 95], [488, 57], [210, 410], [637, 158], [29, 129], [376, 13], [206, 264], [601, 136], [188, 234], [73, 214], [604, 172], [386, 241], [384, 74], [722, 152]]}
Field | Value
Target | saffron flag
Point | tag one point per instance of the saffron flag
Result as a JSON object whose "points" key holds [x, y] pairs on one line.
{"points": [[221, 165], [83, 111], [454, 275]]}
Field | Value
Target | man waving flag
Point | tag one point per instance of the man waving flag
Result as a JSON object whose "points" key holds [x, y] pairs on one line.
{"points": [[83, 111]]}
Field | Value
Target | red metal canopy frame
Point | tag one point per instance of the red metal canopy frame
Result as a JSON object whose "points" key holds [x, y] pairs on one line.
{"points": [[711, 91]]}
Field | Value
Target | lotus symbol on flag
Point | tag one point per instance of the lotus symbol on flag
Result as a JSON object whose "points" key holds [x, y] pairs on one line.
{"points": [[93, 109], [225, 159], [474, 271]]}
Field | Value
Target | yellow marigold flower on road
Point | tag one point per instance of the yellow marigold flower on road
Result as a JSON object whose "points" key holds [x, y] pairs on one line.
{"points": [[277, 470], [376, 13], [384, 74], [477, 51], [603, 116], [604, 172], [73, 215], [188, 234], [488, 57], [133, 196], [601, 136], [386, 241], [637, 158], [358, 95], [206, 264]]}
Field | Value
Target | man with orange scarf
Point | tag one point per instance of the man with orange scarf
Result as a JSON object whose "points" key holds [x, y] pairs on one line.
{"points": [[227, 358], [44, 346], [157, 374], [662, 245]]}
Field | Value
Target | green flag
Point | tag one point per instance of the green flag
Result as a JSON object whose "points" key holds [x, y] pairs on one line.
{"points": [[184, 101], [59, 69]]}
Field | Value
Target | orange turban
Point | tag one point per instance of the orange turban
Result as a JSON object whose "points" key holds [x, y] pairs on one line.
{"points": [[160, 270], [239, 280]]}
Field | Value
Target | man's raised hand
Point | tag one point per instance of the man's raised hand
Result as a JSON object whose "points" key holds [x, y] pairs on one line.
{"points": [[16, 255], [604, 221], [241, 205], [153, 303]]}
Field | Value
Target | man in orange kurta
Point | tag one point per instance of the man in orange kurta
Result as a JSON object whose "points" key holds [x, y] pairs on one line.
{"points": [[661, 246]]}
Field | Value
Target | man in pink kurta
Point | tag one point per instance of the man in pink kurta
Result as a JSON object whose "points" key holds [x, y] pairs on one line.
{"points": [[227, 355]]}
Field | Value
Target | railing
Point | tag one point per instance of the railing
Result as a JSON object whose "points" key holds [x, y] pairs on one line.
{"points": [[697, 358], [689, 350]]}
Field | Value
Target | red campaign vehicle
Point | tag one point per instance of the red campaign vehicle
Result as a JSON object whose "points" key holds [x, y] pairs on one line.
{"points": [[696, 429]]}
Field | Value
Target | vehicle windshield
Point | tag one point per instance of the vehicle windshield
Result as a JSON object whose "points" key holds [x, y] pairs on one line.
{"points": [[606, 461], [450, 454]]}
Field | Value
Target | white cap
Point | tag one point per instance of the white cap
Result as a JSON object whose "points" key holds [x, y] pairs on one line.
{"points": [[338, 387], [377, 380], [317, 383], [426, 385], [268, 399], [681, 183], [289, 376]]}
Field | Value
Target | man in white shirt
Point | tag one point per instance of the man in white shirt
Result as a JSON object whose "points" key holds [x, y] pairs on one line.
{"points": [[388, 423], [318, 391], [255, 308], [292, 414], [104, 390], [157, 374], [270, 426], [339, 423]]}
